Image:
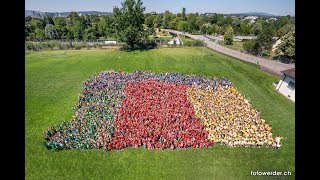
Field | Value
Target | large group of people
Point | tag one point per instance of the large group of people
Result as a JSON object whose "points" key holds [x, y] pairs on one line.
{"points": [[157, 115], [230, 118], [92, 125], [167, 110]]}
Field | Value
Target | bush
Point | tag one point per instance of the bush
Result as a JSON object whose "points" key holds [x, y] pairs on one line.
{"points": [[38, 46], [87, 45], [52, 44], [69, 45], [97, 45], [78, 46], [62, 46], [30, 46]]}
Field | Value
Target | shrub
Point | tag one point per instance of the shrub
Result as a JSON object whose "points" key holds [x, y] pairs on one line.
{"points": [[30, 46], [78, 46], [38, 46], [51, 44], [69, 45], [87, 45], [43, 45], [62, 46]]}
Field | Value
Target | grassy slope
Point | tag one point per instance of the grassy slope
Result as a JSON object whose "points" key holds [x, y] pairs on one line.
{"points": [[53, 82], [236, 45]]}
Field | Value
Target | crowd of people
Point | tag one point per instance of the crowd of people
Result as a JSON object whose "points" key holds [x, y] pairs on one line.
{"points": [[157, 115], [168, 110], [230, 118], [92, 125]]}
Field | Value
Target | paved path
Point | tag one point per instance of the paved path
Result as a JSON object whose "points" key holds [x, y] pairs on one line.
{"points": [[270, 66]]}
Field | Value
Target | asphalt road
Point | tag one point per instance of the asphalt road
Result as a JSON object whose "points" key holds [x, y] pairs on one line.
{"points": [[270, 66]]}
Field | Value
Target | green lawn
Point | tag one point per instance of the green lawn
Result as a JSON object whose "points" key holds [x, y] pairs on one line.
{"points": [[53, 83], [236, 45], [186, 39]]}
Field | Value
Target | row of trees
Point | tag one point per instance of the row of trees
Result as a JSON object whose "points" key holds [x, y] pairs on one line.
{"points": [[264, 28], [71, 27], [217, 23], [264, 42], [94, 27], [131, 25]]}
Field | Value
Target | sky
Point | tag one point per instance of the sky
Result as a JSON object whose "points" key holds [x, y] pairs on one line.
{"points": [[275, 7]]}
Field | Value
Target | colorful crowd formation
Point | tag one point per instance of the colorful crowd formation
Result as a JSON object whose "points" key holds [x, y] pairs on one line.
{"points": [[167, 110], [230, 118], [157, 115]]}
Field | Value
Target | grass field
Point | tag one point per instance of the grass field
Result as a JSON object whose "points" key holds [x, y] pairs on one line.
{"points": [[236, 45], [53, 83]]}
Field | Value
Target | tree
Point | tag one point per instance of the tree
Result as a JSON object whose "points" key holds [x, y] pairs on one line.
{"points": [[205, 29], [90, 33], [251, 46], [228, 36], [175, 22], [102, 26], [213, 29], [149, 20], [183, 26], [60, 24], [213, 18], [236, 25], [264, 39], [77, 30], [288, 44], [37, 23], [285, 29], [167, 17], [245, 27], [192, 22], [39, 33], [51, 32], [183, 14], [157, 21], [283, 20], [129, 20], [73, 16], [48, 20], [221, 20], [256, 28]]}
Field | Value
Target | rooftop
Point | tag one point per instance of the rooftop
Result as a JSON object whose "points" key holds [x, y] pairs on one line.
{"points": [[290, 72]]}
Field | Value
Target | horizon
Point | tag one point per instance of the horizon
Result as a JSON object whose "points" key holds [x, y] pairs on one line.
{"points": [[273, 7], [153, 11]]}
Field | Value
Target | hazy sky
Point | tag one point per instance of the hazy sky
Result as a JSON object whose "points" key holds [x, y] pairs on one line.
{"points": [[276, 7]]}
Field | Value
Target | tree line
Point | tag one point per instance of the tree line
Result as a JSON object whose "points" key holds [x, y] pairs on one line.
{"points": [[84, 27]]}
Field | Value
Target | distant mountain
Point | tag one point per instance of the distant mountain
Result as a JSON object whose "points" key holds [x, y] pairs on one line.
{"points": [[259, 14], [40, 14]]}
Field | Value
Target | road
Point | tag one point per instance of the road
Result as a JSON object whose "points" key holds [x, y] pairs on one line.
{"points": [[270, 66]]}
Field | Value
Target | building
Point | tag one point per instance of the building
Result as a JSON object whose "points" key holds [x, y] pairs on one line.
{"points": [[251, 18], [286, 85]]}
